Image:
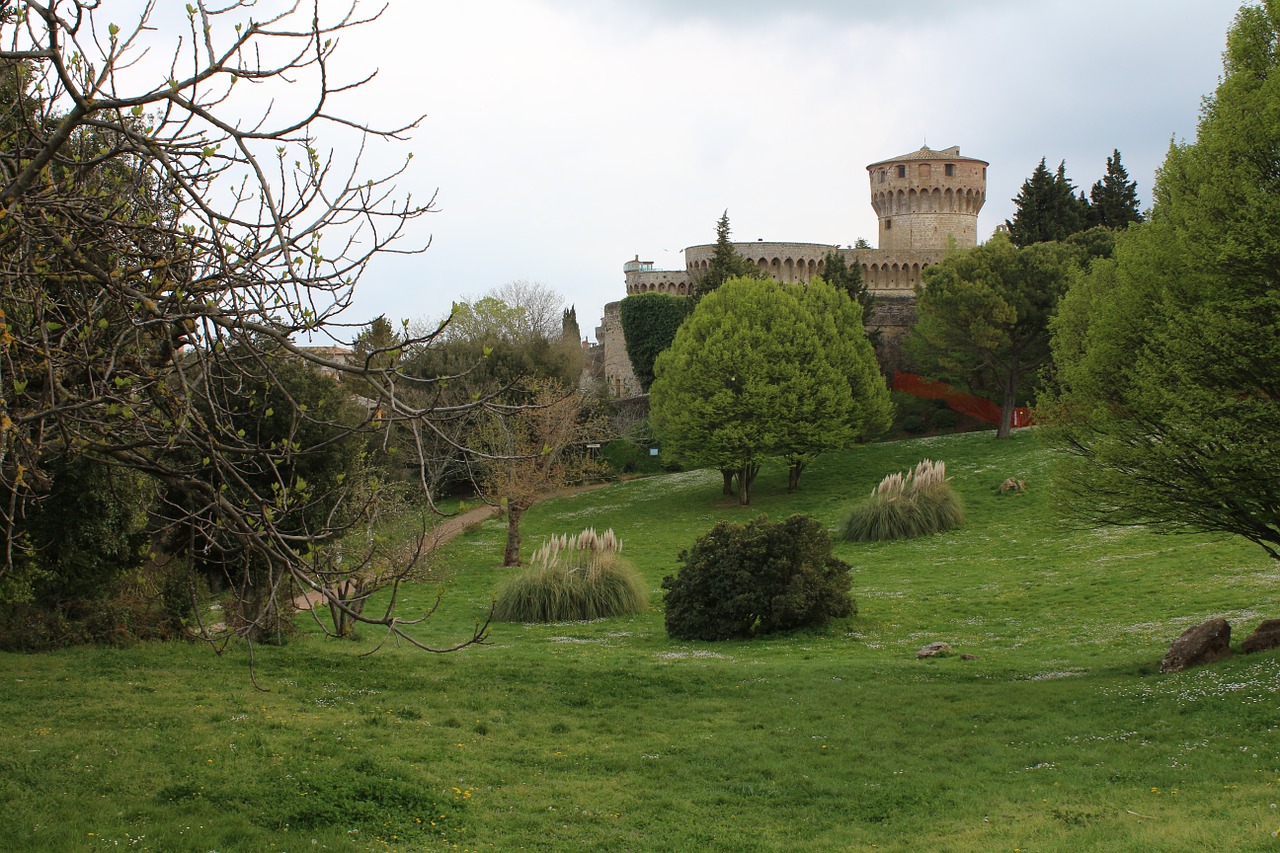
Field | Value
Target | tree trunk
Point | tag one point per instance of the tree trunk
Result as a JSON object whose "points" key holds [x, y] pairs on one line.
{"points": [[511, 556], [1007, 406], [350, 592], [746, 476], [728, 480], [793, 476]]}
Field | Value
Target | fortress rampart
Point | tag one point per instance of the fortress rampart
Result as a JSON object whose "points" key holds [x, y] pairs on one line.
{"points": [[927, 204]]}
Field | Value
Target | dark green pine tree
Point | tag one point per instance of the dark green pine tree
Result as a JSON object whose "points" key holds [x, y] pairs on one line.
{"points": [[1048, 208], [569, 326], [1114, 199], [842, 275], [726, 263]]}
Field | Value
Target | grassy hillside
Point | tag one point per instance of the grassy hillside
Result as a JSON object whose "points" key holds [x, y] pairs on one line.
{"points": [[1060, 736]]}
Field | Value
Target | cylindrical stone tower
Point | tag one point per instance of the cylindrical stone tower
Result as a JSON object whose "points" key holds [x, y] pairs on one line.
{"points": [[928, 198]]}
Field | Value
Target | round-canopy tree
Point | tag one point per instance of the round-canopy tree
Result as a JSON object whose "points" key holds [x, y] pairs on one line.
{"points": [[753, 374]]}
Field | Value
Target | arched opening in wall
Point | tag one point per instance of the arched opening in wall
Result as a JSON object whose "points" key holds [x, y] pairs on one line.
{"points": [[789, 271], [915, 275], [912, 201], [893, 276], [775, 269], [811, 269], [936, 200], [900, 202], [949, 201]]}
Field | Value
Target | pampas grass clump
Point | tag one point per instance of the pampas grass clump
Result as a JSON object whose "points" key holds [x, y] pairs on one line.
{"points": [[906, 505], [573, 578]]}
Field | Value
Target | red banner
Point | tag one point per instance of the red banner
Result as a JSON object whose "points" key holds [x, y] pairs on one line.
{"points": [[960, 401]]}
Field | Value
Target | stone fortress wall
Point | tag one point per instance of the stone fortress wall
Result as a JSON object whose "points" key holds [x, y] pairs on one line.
{"points": [[926, 202]]}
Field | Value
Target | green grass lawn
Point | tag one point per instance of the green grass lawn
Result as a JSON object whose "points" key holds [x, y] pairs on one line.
{"points": [[1060, 736]]}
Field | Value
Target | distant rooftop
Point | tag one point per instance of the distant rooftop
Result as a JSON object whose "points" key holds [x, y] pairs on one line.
{"points": [[927, 153]]}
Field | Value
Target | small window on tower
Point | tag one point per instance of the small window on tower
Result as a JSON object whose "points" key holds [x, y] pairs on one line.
{"points": [[882, 175], [888, 224], [951, 170], [902, 171]]}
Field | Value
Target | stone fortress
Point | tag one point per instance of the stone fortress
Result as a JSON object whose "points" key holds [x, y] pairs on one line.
{"points": [[927, 203]]}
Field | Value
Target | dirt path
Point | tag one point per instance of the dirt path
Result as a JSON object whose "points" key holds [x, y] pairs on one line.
{"points": [[451, 527]]}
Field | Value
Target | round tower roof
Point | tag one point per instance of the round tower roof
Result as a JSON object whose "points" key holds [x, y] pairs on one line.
{"points": [[927, 153]]}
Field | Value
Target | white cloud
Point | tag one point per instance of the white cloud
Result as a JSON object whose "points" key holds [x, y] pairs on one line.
{"points": [[565, 136]]}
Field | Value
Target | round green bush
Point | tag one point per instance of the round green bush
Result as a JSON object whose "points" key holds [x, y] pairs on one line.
{"points": [[914, 424], [945, 419], [744, 580]]}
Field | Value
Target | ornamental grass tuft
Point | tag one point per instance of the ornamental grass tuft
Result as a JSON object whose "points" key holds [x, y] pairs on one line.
{"points": [[906, 505], [573, 578]]}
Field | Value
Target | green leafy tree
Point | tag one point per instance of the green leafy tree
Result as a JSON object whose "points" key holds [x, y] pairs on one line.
{"points": [[1113, 200], [983, 317], [515, 332], [748, 377], [725, 262], [1047, 208], [836, 320], [569, 329], [378, 347], [1167, 360], [72, 548], [311, 461], [649, 324], [848, 277], [133, 278], [839, 273]]}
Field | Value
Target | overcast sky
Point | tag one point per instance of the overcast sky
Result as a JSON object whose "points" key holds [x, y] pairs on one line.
{"points": [[565, 137]]}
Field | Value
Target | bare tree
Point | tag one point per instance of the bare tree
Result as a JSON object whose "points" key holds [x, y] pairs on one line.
{"points": [[164, 244], [534, 449]]}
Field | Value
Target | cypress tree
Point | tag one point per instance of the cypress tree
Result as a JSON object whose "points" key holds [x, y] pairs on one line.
{"points": [[1047, 208], [840, 274], [726, 263], [1114, 199]]}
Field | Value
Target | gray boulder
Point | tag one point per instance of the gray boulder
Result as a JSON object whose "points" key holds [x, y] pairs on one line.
{"points": [[1205, 643], [935, 650]]}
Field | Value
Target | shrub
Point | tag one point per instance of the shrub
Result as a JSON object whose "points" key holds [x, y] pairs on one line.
{"points": [[573, 578], [739, 581], [945, 419], [627, 457], [903, 506], [914, 424]]}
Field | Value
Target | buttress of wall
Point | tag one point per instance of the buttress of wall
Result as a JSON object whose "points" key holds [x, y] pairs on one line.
{"points": [[618, 376]]}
